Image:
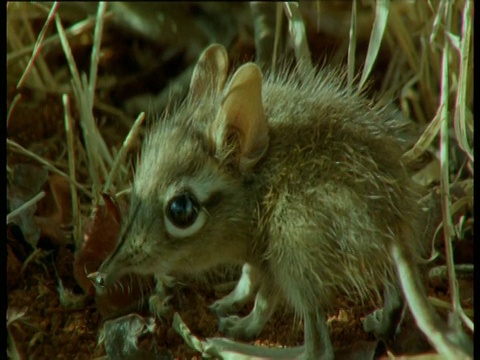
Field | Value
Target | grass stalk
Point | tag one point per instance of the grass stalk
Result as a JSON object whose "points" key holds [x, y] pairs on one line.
{"points": [[25, 205], [77, 226], [132, 135], [21, 150], [38, 44]]}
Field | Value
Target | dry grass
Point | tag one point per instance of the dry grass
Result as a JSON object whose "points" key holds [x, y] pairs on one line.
{"points": [[428, 69]]}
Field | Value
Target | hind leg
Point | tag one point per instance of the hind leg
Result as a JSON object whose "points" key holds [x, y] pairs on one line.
{"points": [[383, 323], [317, 339]]}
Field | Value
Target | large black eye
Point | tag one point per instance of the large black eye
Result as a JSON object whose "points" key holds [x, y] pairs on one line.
{"points": [[182, 210]]}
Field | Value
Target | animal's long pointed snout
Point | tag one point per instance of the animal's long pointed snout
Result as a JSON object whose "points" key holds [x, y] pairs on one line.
{"points": [[112, 267]]}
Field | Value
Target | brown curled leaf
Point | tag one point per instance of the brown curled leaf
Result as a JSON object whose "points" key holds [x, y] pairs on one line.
{"points": [[100, 236], [57, 213]]}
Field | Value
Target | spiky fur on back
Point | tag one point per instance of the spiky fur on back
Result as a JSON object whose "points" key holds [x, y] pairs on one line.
{"points": [[332, 192]]}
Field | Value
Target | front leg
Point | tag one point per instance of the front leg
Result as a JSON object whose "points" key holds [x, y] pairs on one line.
{"points": [[244, 291], [158, 301], [251, 325]]}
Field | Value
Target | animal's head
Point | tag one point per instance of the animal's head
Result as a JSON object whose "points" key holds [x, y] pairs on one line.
{"points": [[190, 207]]}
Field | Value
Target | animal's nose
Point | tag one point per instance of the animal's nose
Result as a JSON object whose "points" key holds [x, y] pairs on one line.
{"points": [[97, 278]]}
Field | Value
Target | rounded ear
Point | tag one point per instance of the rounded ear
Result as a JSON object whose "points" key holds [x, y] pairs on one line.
{"points": [[241, 114], [210, 72]]}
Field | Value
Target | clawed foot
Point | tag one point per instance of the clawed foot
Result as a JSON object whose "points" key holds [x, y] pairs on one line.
{"points": [[381, 324], [224, 307], [234, 326], [244, 291], [158, 305], [239, 327], [250, 325], [373, 322]]}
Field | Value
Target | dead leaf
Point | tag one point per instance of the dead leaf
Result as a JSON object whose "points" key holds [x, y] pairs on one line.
{"points": [[100, 235], [121, 338], [99, 241], [58, 213]]}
